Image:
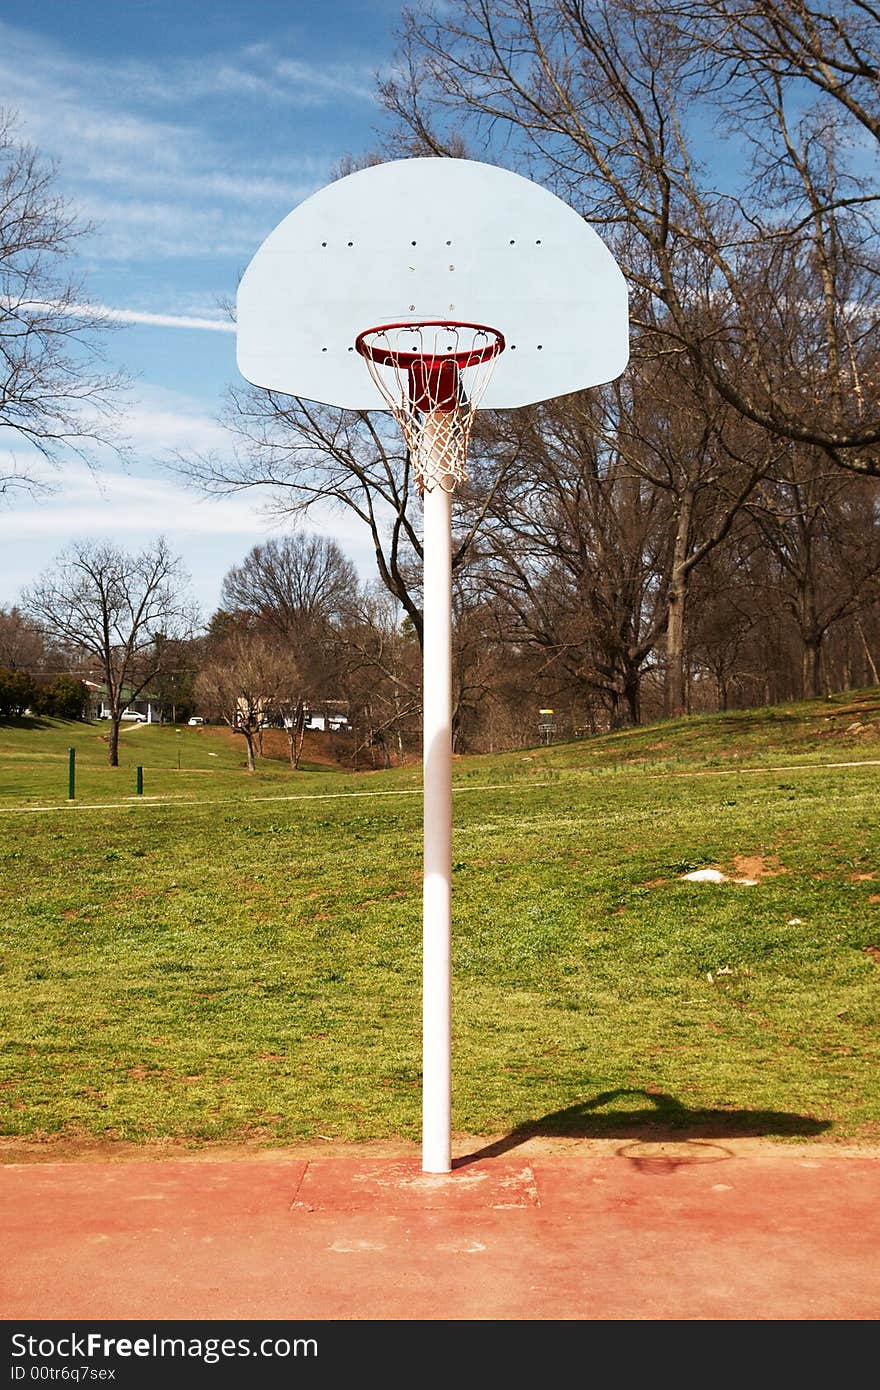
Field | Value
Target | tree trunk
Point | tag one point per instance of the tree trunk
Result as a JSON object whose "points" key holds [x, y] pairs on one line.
{"points": [[624, 701], [632, 693], [399, 733], [249, 742], [386, 756], [872, 665], [616, 714], [300, 732], [675, 703], [674, 695], [812, 666], [296, 733], [114, 740]]}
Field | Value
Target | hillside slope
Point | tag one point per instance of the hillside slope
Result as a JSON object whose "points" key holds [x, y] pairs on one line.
{"points": [[209, 761]]}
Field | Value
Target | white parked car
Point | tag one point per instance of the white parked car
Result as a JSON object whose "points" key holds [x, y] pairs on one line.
{"points": [[132, 716], [196, 719]]}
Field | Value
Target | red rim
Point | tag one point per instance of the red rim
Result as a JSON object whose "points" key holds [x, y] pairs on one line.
{"points": [[466, 357]]}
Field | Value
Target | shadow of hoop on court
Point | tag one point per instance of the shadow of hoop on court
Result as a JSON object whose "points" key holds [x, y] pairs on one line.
{"points": [[660, 1134]]}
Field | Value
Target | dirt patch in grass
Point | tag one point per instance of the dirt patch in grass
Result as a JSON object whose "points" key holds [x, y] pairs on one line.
{"points": [[758, 866], [859, 707], [318, 748]]}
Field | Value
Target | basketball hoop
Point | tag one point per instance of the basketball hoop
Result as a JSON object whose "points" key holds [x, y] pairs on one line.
{"points": [[367, 249], [433, 376]]}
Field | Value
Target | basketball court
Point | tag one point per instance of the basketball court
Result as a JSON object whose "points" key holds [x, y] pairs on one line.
{"points": [[703, 1229]]}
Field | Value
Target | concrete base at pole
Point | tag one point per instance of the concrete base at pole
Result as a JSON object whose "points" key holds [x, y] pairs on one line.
{"points": [[437, 907]]}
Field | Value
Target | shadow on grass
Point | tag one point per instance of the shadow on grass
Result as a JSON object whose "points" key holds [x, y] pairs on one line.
{"points": [[25, 721], [662, 1119]]}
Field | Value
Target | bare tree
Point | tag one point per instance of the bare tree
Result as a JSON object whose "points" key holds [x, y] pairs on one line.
{"points": [[294, 585], [706, 459], [606, 102], [618, 497], [569, 556], [380, 676], [303, 454], [56, 395], [729, 605], [21, 644], [835, 46], [292, 708], [245, 682], [298, 592], [112, 606], [822, 531]]}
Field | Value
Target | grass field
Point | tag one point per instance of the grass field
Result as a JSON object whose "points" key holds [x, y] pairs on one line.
{"points": [[216, 961]]}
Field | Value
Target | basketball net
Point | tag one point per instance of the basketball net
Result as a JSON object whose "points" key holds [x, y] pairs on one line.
{"points": [[433, 376]]}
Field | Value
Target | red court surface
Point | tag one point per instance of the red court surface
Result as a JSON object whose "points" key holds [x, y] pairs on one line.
{"points": [[690, 1230]]}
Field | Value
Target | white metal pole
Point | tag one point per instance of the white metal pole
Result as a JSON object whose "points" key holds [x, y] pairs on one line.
{"points": [[437, 902]]}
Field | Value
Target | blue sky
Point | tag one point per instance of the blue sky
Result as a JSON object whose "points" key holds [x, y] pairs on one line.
{"points": [[184, 132]]}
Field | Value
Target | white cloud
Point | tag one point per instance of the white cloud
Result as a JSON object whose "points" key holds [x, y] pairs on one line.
{"points": [[160, 423], [327, 82], [32, 63], [142, 502], [156, 423], [167, 187], [182, 158], [162, 320], [125, 505], [120, 315], [210, 535], [136, 506], [130, 228]]}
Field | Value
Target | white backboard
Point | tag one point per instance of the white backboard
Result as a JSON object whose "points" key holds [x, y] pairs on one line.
{"points": [[419, 239]]}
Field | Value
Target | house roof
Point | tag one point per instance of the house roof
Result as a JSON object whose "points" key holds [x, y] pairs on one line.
{"points": [[125, 692]]}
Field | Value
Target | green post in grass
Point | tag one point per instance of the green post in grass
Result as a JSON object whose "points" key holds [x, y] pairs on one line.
{"points": [[140, 781], [71, 773]]}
